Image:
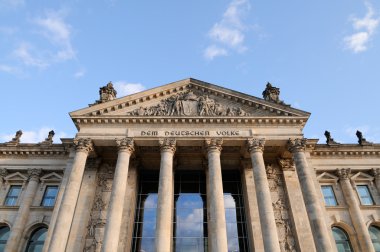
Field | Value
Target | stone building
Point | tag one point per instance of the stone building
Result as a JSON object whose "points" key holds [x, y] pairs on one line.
{"points": [[189, 166]]}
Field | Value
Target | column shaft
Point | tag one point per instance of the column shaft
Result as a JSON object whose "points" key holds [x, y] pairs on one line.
{"points": [[66, 211], [267, 220], [23, 212], [119, 188], [355, 212], [313, 205], [164, 222], [217, 221]]}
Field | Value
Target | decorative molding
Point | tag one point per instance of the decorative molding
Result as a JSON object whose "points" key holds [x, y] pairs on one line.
{"points": [[255, 144], [214, 144], [167, 144], [362, 177], [3, 173], [34, 174], [83, 144], [334, 153], [326, 177], [343, 173], [297, 144], [125, 144], [286, 164], [376, 173]]}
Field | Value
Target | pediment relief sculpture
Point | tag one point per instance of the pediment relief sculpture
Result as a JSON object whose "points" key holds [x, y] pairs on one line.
{"points": [[189, 104]]}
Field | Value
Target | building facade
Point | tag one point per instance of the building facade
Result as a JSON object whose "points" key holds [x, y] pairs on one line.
{"points": [[189, 166]]}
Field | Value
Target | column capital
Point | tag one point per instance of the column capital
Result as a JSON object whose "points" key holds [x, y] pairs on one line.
{"points": [[343, 173], [297, 144], [83, 144], [167, 144], [286, 164], [3, 172], [375, 172], [255, 144], [34, 174], [125, 144], [214, 144]]}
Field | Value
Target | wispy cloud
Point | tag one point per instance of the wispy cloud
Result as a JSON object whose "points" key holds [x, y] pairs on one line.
{"points": [[33, 136], [372, 134], [229, 33], [365, 28], [124, 88], [80, 73], [9, 69], [12, 3], [25, 52]]}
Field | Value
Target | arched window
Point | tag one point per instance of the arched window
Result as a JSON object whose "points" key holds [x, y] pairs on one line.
{"points": [[37, 240], [341, 240], [374, 232], [4, 235]]}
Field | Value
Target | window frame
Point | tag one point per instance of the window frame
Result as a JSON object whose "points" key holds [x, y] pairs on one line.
{"points": [[369, 193], [378, 230], [16, 203], [348, 240], [333, 194], [46, 187]]}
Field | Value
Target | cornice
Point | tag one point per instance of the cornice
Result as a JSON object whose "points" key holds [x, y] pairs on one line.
{"points": [[34, 150], [343, 150]]}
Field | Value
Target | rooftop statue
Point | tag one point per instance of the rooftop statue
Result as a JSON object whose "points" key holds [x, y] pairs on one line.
{"points": [[16, 139], [361, 139], [49, 139], [272, 94], [329, 139], [107, 93]]}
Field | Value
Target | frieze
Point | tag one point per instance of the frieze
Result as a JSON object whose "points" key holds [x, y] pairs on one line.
{"points": [[189, 104], [189, 133]]}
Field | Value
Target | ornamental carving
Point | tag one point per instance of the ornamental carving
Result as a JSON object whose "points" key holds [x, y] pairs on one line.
{"points": [[272, 94], [286, 164], [3, 172], [83, 144], [49, 139], [298, 144], [107, 93], [16, 139], [375, 173], [189, 104], [255, 144], [329, 139], [34, 173], [125, 144], [343, 173], [361, 139], [167, 144], [214, 144]]}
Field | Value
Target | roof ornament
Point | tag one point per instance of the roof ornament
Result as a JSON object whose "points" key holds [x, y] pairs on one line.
{"points": [[49, 139], [361, 140], [329, 139], [272, 94], [106, 93], [16, 140]]}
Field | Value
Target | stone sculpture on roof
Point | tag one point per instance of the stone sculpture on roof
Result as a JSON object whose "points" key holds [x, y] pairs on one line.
{"points": [[272, 94]]}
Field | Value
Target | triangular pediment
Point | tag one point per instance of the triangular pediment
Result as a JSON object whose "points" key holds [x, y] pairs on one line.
{"points": [[327, 177], [189, 98], [51, 177], [361, 176], [17, 176]]}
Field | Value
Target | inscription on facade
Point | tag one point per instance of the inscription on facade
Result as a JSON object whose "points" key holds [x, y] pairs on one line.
{"points": [[190, 133]]}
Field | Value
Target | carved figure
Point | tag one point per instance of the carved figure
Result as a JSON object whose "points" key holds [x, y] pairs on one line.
{"points": [[361, 139], [106, 93], [272, 94], [329, 139]]}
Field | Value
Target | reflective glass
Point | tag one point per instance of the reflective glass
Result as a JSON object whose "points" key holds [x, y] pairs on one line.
{"points": [[4, 235], [37, 240], [365, 195], [375, 237], [235, 216], [329, 196], [341, 240], [49, 197], [12, 196]]}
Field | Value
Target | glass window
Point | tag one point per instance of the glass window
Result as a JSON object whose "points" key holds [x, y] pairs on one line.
{"points": [[374, 232], [365, 195], [49, 196], [329, 196], [4, 235], [12, 196], [237, 238], [37, 240], [341, 240]]}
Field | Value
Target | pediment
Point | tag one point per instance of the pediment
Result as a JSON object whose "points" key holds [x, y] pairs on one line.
{"points": [[189, 98], [361, 176], [17, 176], [327, 177], [51, 177]]}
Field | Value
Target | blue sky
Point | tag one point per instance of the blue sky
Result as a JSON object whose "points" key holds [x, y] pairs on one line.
{"points": [[323, 55]]}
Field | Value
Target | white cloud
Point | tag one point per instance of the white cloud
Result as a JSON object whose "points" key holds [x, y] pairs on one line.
{"points": [[228, 33], [9, 69], [24, 53], [124, 88], [214, 51], [80, 73], [365, 27], [34, 136], [371, 134], [12, 3]]}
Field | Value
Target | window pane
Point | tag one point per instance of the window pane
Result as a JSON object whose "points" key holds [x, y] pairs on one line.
{"points": [[12, 195], [364, 194], [329, 196], [49, 196], [375, 237], [341, 240], [37, 240], [4, 235]]}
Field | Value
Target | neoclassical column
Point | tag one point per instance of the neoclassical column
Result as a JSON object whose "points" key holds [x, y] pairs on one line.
{"points": [[119, 188], [313, 205], [66, 211], [23, 212], [376, 174], [354, 209], [264, 200], [217, 220], [164, 225]]}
